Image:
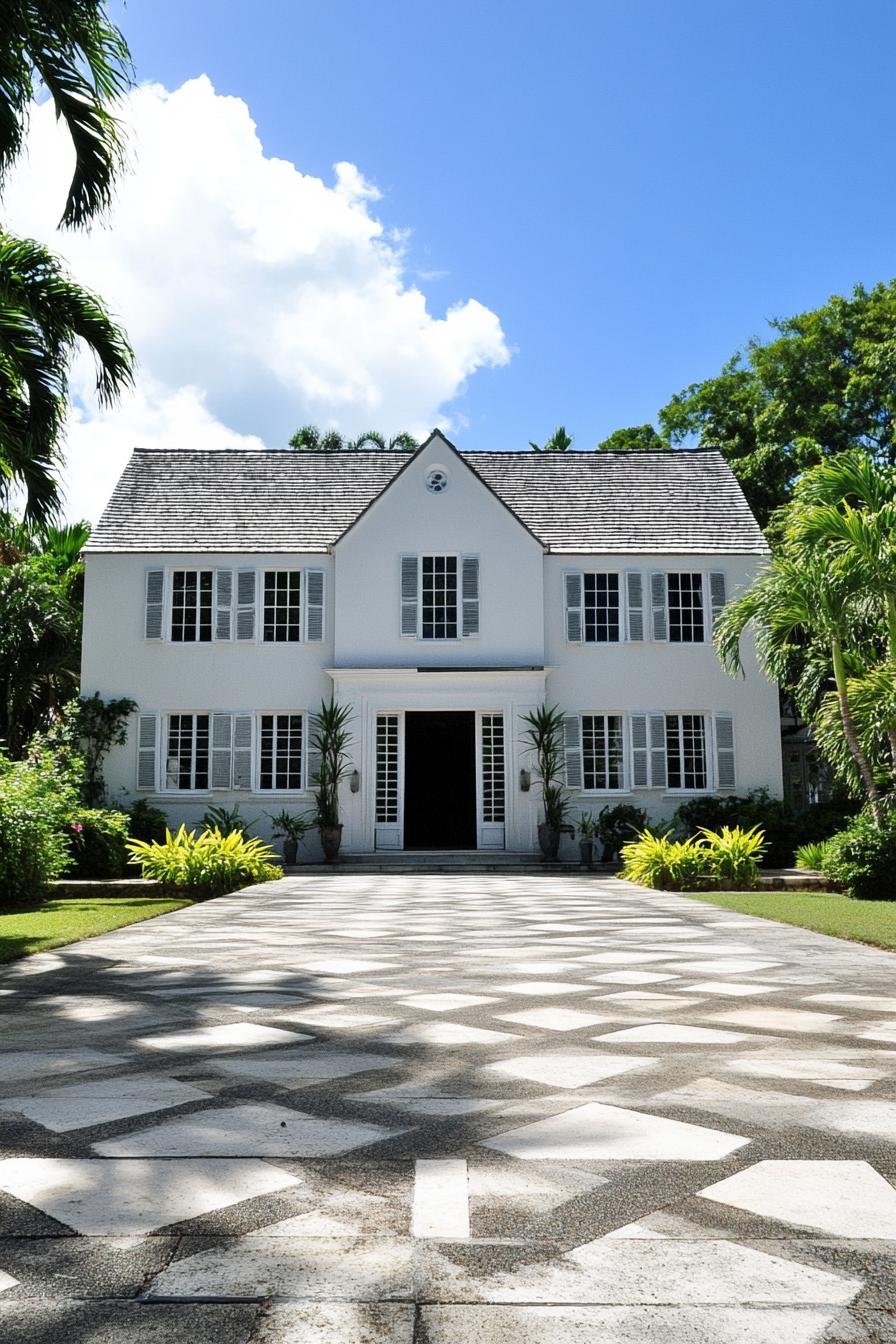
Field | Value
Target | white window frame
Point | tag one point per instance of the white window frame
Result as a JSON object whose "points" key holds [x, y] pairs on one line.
{"points": [[165, 719], [168, 605], [625, 787], [260, 601], [622, 579], [458, 559], [621, 610], [704, 604], [708, 751], [256, 763]]}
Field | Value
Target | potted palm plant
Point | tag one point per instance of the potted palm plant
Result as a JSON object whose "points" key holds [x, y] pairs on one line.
{"points": [[544, 735], [291, 828], [331, 739], [587, 832]]}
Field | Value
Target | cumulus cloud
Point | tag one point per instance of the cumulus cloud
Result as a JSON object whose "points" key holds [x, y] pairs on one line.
{"points": [[257, 297]]}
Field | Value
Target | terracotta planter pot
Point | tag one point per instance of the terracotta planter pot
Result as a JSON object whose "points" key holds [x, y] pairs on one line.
{"points": [[549, 841], [330, 839]]}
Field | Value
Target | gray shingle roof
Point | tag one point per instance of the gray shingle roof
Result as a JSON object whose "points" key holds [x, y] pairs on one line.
{"points": [[290, 501]]}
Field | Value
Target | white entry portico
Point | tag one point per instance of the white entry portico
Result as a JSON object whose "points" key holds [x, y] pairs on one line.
{"points": [[383, 698]]}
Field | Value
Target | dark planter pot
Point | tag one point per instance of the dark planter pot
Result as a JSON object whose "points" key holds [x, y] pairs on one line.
{"points": [[330, 839], [586, 853], [290, 852], [549, 841]]}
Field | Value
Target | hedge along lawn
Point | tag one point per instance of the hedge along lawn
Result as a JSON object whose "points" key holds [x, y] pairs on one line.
{"points": [[57, 922], [860, 921]]}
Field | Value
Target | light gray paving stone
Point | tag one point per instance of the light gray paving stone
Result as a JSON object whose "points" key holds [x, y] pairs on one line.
{"points": [[78, 1105], [539, 988], [842, 1199], [776, 1019], [568, 1071], [823, 1072], [103, 1198], [6, 1281], [445, 1003], [232, 1036], [18, 1066], [554, 1018], [671, 1033], [877, 1118], [303, 1066], [251, 1130], [595, 1131], [447, 1033], [335, 1323]]}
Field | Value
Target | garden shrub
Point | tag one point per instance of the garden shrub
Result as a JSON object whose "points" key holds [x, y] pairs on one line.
{"points": [[616, 825], [98, 839], [729, 855], [783, 828], [147, 822], [814, 855], [733, 855], [210, 864], [37, 795], [861, 859]]}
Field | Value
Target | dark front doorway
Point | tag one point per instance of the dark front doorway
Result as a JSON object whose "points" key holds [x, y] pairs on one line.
{"points": [[440, 781]]}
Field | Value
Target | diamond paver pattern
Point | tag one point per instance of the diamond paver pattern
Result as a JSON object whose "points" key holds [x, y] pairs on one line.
{"points": [[370, 1109]]}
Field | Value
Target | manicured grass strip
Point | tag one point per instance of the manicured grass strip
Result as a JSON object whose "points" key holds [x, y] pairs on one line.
{"points": [[860, 921], [58, 922]]}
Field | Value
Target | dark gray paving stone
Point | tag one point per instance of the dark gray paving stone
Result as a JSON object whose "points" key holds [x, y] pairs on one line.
{"points": [[72, 1322]]}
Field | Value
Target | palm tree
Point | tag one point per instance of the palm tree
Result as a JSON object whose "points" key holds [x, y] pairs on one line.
{"points": [[403, 442], [312, 439], [559, 442], [73, 50], [43, 315]]}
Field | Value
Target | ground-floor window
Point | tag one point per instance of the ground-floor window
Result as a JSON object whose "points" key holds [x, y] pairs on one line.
{"points": [[386, 769], [187, 752], [280, 752], [686, 751], [493, 767], [602, 751]]}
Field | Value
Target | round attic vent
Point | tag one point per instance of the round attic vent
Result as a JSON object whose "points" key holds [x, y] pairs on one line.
{"points": [[437, 480]]}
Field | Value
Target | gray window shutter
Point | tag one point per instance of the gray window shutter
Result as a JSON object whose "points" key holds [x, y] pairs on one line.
{"points": [[572, 751], [314, 605], [634, 599], [658, 605], [717, 597], [469, 594], [245, 604], [575, 619], [147, 750], [222, 750], [409, 570], [725, 774], [658, 751], [223, 604], [242, 751], [154, 603], [640, 771]]}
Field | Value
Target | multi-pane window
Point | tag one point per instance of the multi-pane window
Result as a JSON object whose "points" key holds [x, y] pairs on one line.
{"points": [[280, 752], [602, 751], [282, 605], [686, 751], [601, 597], [686, 624], [186, 764], [439, 597], [191, 605], [493, 767], [387, 769]]}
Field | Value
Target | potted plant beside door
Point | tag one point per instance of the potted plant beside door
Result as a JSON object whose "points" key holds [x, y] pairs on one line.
{"points": [[331, 739], [544, 735]]}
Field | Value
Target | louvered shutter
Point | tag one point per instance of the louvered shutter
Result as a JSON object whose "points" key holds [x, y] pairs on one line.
{"points": [[725, 774], [245, 604], [222, 750], [242, 751], [469, 593], [634, 598], [717, 596], [575, 620], [572, 751], [147, 750], [658, 605], [409, 571], [154, 603], [223, 604], [314, 605], [657, 725], [640, 770]]}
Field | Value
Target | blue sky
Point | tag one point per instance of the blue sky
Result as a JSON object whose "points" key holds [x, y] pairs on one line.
{"points": [[632, 188]]}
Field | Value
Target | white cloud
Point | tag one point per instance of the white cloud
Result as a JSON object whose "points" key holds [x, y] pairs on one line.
{"points": [[257, 297]]}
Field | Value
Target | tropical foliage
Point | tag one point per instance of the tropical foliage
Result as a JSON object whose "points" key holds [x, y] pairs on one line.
{"points": [[313, 439], [38, 798], [330, 740], [559, 442], [633, 439], [861, 860], [543, 736], [730, 856], [209, 864], [98, 842]]}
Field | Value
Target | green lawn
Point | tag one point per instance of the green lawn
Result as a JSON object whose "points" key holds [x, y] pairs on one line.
{"points": [[861, 921], [65, 921]]}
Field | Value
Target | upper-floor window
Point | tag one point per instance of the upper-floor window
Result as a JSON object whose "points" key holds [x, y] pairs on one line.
{"points": [[439, 596], [187, 751], [282, 606], [191, 605], [685, 605], [601, 598]]}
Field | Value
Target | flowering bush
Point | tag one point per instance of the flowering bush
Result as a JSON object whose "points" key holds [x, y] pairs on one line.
{"points": [[97, 840], [37, 797]]}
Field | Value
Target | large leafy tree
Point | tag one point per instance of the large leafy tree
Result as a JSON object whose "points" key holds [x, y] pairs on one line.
{"points": [[313, 439], [633, 439], [72, 50], [823, 384]]}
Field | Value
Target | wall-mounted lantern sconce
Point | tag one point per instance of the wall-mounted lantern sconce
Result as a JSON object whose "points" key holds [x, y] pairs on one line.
{"points": [[525, 781], [354, 781]]}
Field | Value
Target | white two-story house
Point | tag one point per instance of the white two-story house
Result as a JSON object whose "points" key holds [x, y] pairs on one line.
{"points": [[441, 595]]}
